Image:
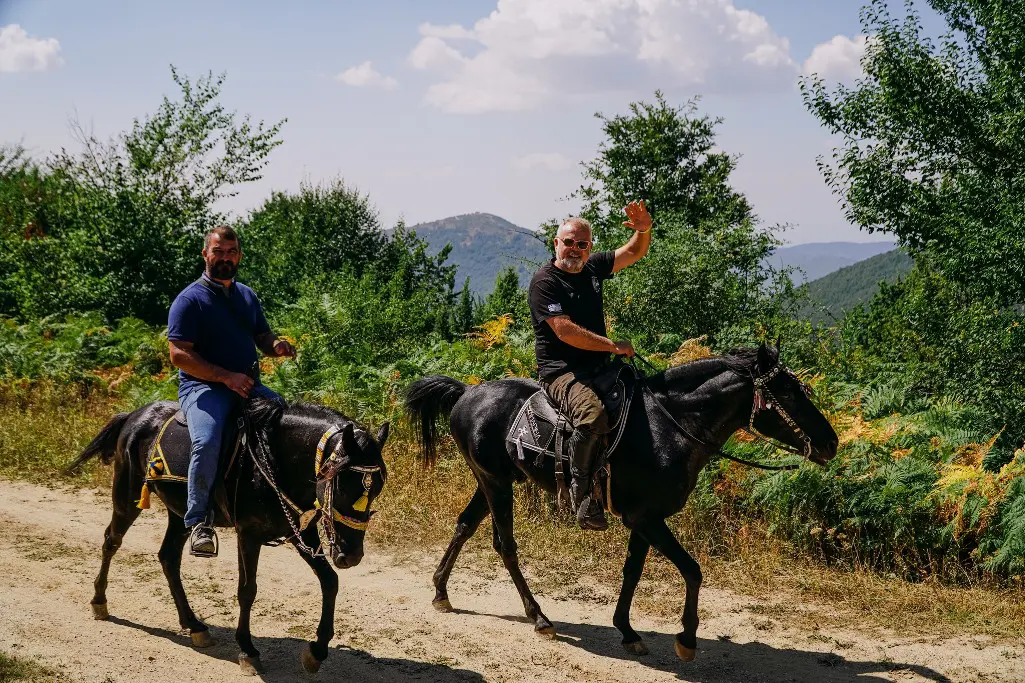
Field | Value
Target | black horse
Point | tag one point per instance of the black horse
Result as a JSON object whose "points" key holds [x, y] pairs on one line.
{"points": [[285, 448], [677, 420]]}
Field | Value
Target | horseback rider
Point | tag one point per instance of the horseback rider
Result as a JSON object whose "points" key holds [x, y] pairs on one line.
{"points": [[572, 349], [214, 328]]}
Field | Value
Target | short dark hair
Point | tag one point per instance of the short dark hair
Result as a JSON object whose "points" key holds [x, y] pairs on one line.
{"points": [[225, 232]]}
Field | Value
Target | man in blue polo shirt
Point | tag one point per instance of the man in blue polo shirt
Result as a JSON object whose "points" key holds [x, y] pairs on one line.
{"points": [[214, 328]]}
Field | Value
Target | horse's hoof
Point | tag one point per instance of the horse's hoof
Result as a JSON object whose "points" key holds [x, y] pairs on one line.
{"points": [[202, 638], [250, 665], [685, 653], [442, 605], [636, 648], [311, 664], [100, 612], [546, 631]]}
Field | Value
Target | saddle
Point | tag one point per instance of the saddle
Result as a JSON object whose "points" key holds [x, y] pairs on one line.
{"points": [[171, 451], [541, 429]]}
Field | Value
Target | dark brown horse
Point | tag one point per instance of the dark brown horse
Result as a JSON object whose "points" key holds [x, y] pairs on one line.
{"points": [[285, 447], [677, 420]]}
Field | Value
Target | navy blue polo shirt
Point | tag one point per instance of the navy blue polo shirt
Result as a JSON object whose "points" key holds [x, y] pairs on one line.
{"points": [[222, 324]]}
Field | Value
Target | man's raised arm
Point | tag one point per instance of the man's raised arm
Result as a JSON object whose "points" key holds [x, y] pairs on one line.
{"points": [[634, 250]]}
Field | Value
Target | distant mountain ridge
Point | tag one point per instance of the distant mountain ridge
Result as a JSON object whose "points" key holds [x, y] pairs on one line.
{"points": [[482, 245], [818, 259]]}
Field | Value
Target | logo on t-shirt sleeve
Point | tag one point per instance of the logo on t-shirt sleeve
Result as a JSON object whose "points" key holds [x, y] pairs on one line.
{"points": [[555, 308]]}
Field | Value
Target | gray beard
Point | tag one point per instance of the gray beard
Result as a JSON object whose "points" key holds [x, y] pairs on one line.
{"points": [[571, 264]]}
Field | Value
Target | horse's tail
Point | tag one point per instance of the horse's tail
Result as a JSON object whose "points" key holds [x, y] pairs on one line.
{"points": [[104, 445], [427, 400]]}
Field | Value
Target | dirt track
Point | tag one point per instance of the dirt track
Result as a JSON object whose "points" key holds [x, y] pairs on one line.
{"points": [[385, 627]]}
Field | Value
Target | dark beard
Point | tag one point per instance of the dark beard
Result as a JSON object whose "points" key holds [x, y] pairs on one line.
{"points": [[223, 270]]}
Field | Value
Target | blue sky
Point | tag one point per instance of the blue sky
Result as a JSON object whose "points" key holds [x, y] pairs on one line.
{"points": [[464, 105]]}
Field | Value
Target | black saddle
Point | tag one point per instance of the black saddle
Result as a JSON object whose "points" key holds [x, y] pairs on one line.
{"points": [[541, 429]]}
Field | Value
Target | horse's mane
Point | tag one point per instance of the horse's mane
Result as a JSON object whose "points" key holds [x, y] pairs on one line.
{"points": [[265, 415], [692, 374]]}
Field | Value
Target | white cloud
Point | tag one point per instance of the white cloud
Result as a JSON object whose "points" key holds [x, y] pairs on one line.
{"points": [[553, 161], [20, 52], [838, 59], [364, 75], [527, 52]]}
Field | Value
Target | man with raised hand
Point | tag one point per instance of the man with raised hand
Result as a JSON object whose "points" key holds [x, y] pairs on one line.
{"points": [[568, 314]]}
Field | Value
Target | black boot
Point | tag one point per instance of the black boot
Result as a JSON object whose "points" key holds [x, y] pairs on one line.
{"points": [[583, 446]]}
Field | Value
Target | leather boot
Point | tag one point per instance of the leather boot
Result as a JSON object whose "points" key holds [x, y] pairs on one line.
{"points": [[583, 447]]}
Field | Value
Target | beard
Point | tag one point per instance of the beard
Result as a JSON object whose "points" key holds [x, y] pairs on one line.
{"points": [[223, 270], [573, 264]]}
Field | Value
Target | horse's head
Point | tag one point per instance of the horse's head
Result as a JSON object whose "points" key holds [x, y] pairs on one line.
{"points": [[784, 411], [349, 482]]}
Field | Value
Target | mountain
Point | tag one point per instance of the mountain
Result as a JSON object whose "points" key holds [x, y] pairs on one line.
{"points": [[821, 258], [482, 245], [842, 290]]}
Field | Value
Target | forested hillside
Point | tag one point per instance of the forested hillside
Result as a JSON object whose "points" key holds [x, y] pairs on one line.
{"points": [[832, 296]]}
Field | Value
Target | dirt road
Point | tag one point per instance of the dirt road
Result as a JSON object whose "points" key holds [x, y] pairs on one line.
{"points": [[386, 629]]}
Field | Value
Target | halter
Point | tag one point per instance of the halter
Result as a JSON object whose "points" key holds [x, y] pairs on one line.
{"points": [[325, 471], [765, 400], [758, 403]]}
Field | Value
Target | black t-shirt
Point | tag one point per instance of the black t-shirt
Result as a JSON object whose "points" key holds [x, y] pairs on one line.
{"points": [[555, 292]]}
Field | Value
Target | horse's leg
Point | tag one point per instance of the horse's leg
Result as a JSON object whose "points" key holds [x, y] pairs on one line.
{"points": [[636, 553], [125, 513], [500, 500], [663, 540], [170, 556], [475, 511], [248, 560], [315, 653]]}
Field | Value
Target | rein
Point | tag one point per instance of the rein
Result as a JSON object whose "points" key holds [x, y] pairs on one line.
{"points": [[759, 403], [334, 464]]}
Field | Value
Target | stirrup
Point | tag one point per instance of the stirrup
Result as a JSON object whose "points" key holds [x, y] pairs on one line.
{"points": [[202, 553]]}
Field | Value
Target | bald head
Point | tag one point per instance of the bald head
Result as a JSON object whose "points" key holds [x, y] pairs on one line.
{"points": [[573, 244]]}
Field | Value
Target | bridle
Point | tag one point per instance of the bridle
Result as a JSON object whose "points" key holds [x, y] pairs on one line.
{"points": [[325, 471], [763, 399]]}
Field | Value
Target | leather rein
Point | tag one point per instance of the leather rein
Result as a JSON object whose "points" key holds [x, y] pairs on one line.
{"points": [[763, 400]]}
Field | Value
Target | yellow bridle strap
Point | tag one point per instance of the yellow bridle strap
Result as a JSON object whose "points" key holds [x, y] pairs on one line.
{"points": [[347, 521], [321, 445]]}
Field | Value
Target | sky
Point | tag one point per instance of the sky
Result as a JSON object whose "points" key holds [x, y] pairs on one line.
{"points": [[448, 107]]}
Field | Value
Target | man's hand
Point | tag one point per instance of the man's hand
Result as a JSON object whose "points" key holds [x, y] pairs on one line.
{"points": [[283, 348], [239, 383], [624, 348], [637, 217]]}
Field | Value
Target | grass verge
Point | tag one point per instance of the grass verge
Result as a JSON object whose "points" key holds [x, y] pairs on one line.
{"points": [[45, 426], [17, 669]]}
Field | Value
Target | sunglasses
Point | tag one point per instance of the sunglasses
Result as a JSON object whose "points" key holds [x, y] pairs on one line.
{"points": [[580, 244]]}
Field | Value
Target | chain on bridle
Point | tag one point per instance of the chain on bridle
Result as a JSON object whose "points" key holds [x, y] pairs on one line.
{"points": [[763, 399], [325, 471]]}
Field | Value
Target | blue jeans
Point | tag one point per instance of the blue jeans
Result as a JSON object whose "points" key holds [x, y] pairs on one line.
{"points": [[207, 408]]}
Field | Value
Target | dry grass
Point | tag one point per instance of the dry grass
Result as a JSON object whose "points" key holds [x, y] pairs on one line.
{"points": [[13, 668], [43, 429]]}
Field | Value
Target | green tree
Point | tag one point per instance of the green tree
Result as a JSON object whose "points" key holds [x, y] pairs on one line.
{"points": [[507, 298], [706, 272], [120, 222], [932, 151], [294, 238]]}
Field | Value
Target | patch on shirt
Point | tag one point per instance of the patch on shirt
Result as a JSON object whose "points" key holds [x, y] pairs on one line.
{"points": [[555, 308], [596, 283]]}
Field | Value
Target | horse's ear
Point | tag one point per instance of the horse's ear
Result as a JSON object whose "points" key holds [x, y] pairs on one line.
{"points": [[767, 357], [349, 445], [382, 434], [779, 341]]}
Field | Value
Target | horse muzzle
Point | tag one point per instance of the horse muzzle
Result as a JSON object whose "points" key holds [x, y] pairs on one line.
{"points": [[344, 558]]}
